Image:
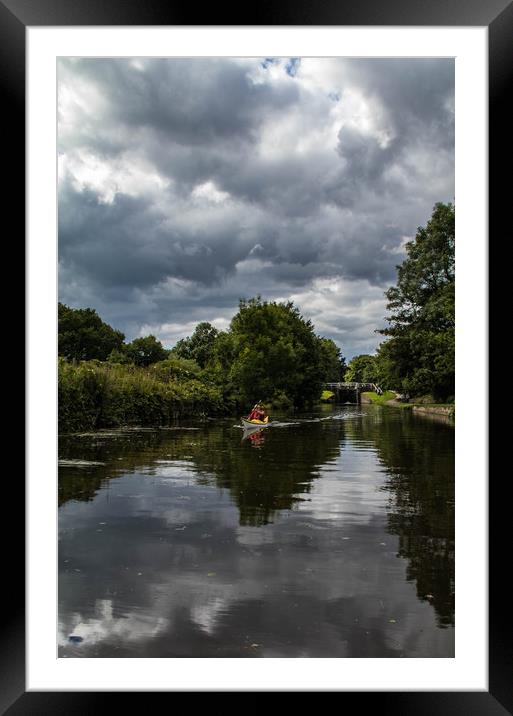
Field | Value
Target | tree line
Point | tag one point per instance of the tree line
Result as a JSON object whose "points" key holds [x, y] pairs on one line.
{"points": [[270, 352], [417, 356]]}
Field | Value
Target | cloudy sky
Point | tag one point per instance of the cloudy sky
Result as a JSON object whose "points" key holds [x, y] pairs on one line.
{"points": [[186, 184]]}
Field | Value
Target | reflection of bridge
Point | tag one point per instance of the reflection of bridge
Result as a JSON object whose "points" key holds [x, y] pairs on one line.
{"points": [[351, 392]]}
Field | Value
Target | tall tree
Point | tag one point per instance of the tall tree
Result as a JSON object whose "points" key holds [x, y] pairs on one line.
{"points": [[420, 349], [275, 353], [145, 351], [199, 346], [362, 369], [332, 362], [84, 336]]}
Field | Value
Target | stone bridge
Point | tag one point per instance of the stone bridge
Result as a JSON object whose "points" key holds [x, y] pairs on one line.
{"points": [[351, 392]]}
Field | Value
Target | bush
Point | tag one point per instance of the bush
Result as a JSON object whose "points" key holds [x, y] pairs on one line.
{"points": [[281, 401], [96, 395], [175, 369]]}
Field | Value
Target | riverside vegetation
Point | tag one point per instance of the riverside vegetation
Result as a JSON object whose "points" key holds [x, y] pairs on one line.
{"points": [[269, 353], [417, 357], [105, 382]]}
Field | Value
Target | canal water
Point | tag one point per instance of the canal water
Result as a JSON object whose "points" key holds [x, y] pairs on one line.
{"points": [[329, 534]]}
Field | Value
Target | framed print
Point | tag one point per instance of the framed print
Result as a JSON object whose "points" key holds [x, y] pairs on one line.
{"points": [[244, 173]]}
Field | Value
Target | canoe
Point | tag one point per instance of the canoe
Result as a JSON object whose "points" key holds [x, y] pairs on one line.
{"points": [[252, 424]]}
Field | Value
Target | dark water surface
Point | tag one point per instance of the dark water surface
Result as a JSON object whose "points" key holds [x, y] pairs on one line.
{"points": [[325, 535]]}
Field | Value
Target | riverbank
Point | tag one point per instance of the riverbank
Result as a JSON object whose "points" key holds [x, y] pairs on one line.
{"points": [[389, 399], [383, 399], [446, 410], [94, 395]]}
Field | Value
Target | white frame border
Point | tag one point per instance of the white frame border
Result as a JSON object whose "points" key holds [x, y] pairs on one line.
{"points": [[468, 670]]}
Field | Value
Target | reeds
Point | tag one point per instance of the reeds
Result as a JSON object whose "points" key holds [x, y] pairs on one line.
{"points": [[94, 394]]}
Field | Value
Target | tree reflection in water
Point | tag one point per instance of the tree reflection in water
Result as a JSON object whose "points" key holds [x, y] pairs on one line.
{"points": [[415, 453], [260, 482]]}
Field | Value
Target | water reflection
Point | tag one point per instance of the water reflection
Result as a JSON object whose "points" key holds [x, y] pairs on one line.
{"points": [[418, 457], [260, 481], [256, 438], [333, 538]]}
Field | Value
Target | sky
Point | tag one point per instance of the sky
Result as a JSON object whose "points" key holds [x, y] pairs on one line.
{"points": [[188, 184]]}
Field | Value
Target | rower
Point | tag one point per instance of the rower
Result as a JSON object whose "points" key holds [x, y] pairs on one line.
{"points": [[258, 413]]}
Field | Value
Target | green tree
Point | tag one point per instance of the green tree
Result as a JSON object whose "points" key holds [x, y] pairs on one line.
{"points": [[84, 336], [332, 362], [420, 350], [275, 353], [362, 369], [175, 369], [120, 355], [145, 351], [199, 346]]}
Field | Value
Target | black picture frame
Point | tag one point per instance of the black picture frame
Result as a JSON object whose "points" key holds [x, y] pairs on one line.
{"points": [[497, 15]]}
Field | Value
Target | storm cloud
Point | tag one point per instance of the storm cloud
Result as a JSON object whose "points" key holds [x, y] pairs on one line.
{"points": [[187, 184]]}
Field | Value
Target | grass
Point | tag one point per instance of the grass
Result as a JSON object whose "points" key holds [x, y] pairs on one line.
{"points": [[380, 399], [327, 394], [388, 395]]}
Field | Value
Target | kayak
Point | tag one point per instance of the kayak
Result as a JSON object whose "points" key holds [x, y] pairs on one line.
{"points": [[252, 424]]}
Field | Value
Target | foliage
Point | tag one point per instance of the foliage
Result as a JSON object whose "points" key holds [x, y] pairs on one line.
{"points": [[270, 353], [175, 369], [333, 365], [120, 355], [362, 369], [84, 336], [199, 346], [381, 399], [418, 357], [80, 388], [145, 351], [95, 395], [272, 350], [280, 401]]}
